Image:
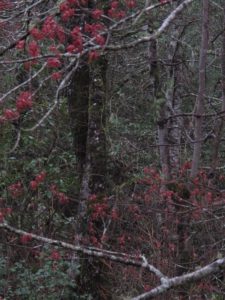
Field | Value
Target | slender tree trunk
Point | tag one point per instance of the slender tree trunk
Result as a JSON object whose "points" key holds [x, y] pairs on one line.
{"points": [[198, 119], [169, 133], [173, 100], [157, 96], [220, 123]]}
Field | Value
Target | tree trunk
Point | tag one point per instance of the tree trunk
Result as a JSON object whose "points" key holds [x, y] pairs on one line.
{"points": [[198, 118], [87, 101], [220, 123], [78, 110], [161, 105]]}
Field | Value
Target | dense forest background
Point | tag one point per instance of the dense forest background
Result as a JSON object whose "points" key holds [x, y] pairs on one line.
{"points": [[112, 181]]}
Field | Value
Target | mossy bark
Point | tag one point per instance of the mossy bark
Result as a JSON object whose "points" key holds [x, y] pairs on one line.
{"points": [[87, 102]]}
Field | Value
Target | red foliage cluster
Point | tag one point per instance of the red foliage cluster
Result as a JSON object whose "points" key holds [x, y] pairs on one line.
{"points": [[54, 29], [115, 12], [10, 115], [4, 212], [53, 62], [60, 196], [131, 4], [38, 180], [5, 4], [56, 75], [55, 255], [20, 44], [36, 34], [16, 190], [26, 238], [24, 101], [93, 55], [33, 49], [96, 14]]}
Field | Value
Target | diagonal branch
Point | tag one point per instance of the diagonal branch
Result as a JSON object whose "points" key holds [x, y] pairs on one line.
{"points": [[157, 33], [120, 257], [133, 260], [168, 283]]}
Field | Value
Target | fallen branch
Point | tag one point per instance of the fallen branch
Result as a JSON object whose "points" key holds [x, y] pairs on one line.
{"points": [[123, 258], [128, 259], [168, 283]]}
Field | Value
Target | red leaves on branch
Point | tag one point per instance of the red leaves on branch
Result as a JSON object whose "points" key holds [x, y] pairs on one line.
{"points": [[40, 177], [55, 255], [114, 11], [71, 48], [60, 196], [26, 238], [60, 34], [16, 189], [100, 40], [96, 14], [92, 56], [53, 62], [38, 180], [49, 27], [24, 101], [5, 4], [67, 14], [99, 207], [10, 114], [20, 45], [33, 49], [36, 34], [28, 64], [131, 4], [77, 40], [56, 75], [33, 185], [114, 4]]}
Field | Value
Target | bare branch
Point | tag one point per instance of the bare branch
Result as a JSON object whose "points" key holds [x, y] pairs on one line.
{"points": [[158, 32], [127, 259], [181, 280], [123, 258]]}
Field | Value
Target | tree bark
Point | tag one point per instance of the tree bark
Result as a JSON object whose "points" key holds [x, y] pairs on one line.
{"points": [[220, 123], [78, 110], [161, 105], [198, 119], [87, 101]]}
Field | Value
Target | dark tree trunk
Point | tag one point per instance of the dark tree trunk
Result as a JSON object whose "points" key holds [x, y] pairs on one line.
{"points": [[78, 99], [87, 101]]}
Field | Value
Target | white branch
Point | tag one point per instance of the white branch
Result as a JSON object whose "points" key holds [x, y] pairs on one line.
{"points": [[123, 258], [158, 32], [168, 283], [133, 260]]}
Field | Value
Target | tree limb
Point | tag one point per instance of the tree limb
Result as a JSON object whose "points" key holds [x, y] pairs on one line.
{"points": [[133, 260]]}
